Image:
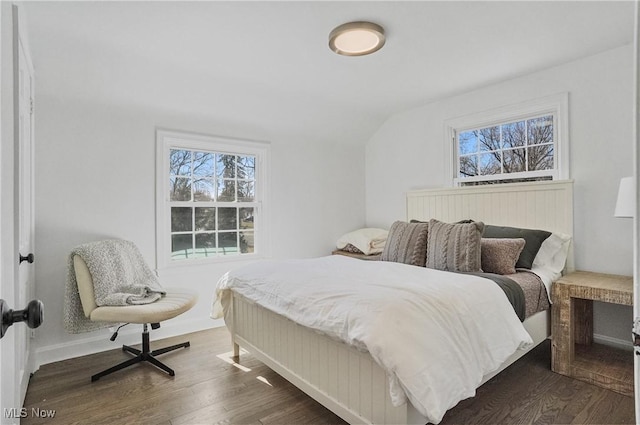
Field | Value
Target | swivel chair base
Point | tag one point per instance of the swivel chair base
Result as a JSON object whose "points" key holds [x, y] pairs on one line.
{"points": [[144, 355]]}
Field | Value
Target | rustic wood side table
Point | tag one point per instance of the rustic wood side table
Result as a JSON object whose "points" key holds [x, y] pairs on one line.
{"points": [[573, 352]]}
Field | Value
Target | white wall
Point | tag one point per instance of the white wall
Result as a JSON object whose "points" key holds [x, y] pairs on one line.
{"points": [[95, 175], [408, 153], [95, 178]]}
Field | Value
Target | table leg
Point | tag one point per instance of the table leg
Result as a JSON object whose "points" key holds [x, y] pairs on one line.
{"points": [[562, 334]]}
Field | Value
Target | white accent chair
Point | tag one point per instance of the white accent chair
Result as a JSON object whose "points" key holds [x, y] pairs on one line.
{"points": [[168, 307]]}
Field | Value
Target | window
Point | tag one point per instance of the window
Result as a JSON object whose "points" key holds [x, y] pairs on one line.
{"points": [[520, 143], [210, 198]]}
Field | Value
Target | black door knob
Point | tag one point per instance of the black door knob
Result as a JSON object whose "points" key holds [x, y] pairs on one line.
{"points": [[33, 314], [28, 258]]}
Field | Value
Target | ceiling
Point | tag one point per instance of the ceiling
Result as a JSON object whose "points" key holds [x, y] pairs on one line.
{"points": [[269, 62]]}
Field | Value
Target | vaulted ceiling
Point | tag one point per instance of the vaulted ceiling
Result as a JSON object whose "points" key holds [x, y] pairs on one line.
{"points": [[270, 61]]}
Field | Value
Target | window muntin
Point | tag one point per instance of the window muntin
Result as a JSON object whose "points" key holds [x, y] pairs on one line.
{"points": [[211, 176], [498, 151], [519, 142], [205, 189], [210, 198]]}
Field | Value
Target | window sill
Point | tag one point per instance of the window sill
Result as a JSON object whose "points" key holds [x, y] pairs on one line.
{"points": [[179, 267]]}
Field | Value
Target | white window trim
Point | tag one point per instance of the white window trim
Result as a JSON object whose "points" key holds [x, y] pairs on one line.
{"points": [[556, 105], [169, 139]]}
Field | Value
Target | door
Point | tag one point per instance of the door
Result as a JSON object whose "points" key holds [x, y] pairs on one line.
{"points": [[16, 205], [636, 218], [25, 219]]}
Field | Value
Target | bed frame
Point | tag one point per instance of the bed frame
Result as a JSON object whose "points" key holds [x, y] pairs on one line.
{"points": [[349, 382]]}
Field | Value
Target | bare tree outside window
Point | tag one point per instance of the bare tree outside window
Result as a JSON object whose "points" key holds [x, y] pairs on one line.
{"points": [[515, 147], [204, 191]]}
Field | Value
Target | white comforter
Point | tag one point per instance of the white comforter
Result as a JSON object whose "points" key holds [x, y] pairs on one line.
{"points": [[435, 333]]}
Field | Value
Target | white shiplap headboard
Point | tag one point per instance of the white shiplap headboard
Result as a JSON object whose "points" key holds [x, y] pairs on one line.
{"points": [[546, 205]]}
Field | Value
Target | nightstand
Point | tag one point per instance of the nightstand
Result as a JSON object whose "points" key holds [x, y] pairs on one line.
{"points": [[373, 257], [573, 352]]}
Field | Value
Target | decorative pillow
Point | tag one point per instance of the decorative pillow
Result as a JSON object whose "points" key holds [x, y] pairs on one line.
{"points": [[500, 255], [552, 255], [406, 243], [533, 240], [368, 240], [454, 246]]}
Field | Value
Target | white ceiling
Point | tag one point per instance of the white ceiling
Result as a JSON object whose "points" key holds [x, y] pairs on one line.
{"points": [[270, 61]]}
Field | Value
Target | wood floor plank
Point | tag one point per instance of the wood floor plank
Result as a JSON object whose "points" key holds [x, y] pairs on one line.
{"points": [[210, 388], [528, 392]]}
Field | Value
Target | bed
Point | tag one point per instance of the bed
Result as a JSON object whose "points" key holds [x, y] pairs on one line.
{"points": [[346, 378]]}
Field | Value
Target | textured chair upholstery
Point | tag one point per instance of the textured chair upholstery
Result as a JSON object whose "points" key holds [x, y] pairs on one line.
{"points": [[169, 306]]}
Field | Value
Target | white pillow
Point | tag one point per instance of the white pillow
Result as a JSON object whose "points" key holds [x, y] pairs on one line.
{"points": [[552, 255], [369, 240]]}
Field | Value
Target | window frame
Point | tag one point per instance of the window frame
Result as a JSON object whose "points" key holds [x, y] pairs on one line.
{"points": [[166, 140], [555, 105]]}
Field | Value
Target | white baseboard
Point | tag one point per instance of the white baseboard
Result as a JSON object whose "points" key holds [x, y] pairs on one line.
{"points": [[129, 335], [613, 342]]}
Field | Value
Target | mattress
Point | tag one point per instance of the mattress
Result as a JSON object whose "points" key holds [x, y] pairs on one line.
{"points": [[435, 333]]}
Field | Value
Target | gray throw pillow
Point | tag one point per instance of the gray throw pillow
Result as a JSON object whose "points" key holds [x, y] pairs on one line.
{"points": [[454, 246], [406, 243], [533, 240]]}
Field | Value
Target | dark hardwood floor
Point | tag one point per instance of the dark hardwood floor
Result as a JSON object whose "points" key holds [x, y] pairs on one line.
{"points": [[209, 389]]}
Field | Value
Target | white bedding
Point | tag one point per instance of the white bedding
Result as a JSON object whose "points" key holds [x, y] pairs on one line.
{"points": [[435, 333]]}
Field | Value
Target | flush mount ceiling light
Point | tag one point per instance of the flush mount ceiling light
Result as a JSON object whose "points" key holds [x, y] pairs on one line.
{"points": [[356, 38]]}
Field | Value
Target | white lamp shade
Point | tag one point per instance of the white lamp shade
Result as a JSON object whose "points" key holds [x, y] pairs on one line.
{"points": [[626, 204]]}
